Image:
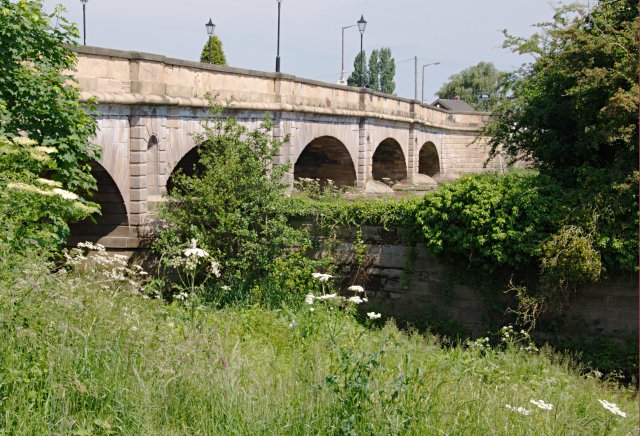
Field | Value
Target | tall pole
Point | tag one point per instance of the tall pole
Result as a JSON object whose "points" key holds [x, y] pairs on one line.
{"points": [[211, 49], [423, 67], [415, 76], [342, 81], [278, 49], [84, 21], [361, 60]]}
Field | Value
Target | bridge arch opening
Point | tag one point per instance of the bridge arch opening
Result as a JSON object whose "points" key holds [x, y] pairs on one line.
{"points": [[188, 165], [429, 161], [113, 221], [389, 161], [326, 158]]}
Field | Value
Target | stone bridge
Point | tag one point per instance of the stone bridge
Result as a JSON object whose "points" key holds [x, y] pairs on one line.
{"points": [[150, 106]]}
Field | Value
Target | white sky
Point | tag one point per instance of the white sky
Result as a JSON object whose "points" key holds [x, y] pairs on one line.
{"points": [[457, 33]]}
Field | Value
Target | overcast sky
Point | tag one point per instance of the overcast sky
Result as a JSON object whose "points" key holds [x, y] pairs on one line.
{"points": [[456, 33]]}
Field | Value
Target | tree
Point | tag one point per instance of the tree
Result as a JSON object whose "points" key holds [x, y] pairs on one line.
{"points": [[354, 78], [44, 131], [387, 71], [212, 52], [374, 73], [573, 110], [380, 73], [473, 82], [38, 98]]}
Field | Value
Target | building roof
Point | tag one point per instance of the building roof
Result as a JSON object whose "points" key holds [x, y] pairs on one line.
{"points": [[455, 105]]}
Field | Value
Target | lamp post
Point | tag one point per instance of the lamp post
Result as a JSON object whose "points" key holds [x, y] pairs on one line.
{"points": [[362, 24], [278, 49], [84, 20], [342, 81], [423, 67], [210, 29]]}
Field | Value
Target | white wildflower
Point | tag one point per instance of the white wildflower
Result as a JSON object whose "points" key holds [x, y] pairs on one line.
{"points": [[292, 324], [27, 188], [46, 150], [170, 324], [311, 309], [613, 408], [541, 404], [326, 297], [322, 277], [24, 141], [65, 194], [373, 315], [226, 288], [520, 410], [365, 299], [356, 300], [215, 268], [182, 296], [194, 250], [309, 298], [356, 288], [50, 183]]}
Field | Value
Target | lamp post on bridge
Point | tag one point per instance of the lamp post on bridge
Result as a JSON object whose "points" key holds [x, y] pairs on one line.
{"points": [[342, 81], [84, 20], [423, 67], [210, 29], [278, 48], [362, 25]]}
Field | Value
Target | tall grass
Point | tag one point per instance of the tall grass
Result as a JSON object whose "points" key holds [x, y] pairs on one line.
{"points": [[83, 355]]}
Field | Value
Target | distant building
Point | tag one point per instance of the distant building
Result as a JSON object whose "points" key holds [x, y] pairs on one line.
{"points": [[453, 104]]}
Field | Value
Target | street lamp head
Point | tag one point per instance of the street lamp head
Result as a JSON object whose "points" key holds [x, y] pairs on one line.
{"points": [[210, 27], [362, 24], [84, 1], [279, 1]]}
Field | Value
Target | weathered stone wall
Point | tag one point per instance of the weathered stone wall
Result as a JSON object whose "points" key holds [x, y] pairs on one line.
{"points": [[410, 283]]}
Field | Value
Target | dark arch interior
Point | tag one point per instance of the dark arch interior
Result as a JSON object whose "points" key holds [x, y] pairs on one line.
{"points": [[389, 161], [152, 166], [188, 165], [429, 163], [114, 213], [326, 158]]}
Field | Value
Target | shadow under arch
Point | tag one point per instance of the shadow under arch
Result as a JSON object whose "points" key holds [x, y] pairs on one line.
{"points": [[326, 158], [428, 160], [389, 161], [113, 221], [188, 165]]}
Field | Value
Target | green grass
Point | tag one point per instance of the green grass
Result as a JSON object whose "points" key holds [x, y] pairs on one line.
{"points": [[82, 356]]}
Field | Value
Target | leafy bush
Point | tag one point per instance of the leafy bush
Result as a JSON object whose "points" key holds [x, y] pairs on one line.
{"points": [[233, 205]]}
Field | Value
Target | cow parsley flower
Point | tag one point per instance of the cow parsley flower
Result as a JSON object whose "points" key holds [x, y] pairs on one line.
{"points": [[194, 250], [326, 297], [373, 315], [356, 288], [322, 277], [309, 298], [613, 408], [292, 324], [520, 410], [214, 267], [541, 404], [356, 300]]}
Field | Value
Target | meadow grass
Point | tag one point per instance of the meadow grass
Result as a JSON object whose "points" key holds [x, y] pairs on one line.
{"points": [[84, 355]]}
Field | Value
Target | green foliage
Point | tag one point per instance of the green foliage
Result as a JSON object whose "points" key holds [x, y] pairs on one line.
{"points": [[212, 52], [234, 204], [359, 69], [37, 93], [380, 73], [34, 211], [85, 354], [470, 83], [573, 111]]}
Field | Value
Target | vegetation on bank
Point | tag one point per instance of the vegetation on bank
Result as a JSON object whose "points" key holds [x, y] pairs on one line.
{"points": [[86, 353]]}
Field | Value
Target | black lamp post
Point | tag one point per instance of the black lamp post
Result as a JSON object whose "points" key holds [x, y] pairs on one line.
{"points": [[278, 49], [362, 24], [210, 29], [84, 20]]}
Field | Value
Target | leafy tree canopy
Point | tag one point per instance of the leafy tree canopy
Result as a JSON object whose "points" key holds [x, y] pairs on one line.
{"points": [[358, 71], [212, 52], [474, 82], [37, 96], [574, 108], [380, 73]]}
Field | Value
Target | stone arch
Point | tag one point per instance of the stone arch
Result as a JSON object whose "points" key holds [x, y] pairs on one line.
{"points": [[113, 221], [429, 160], [189, 165], [152, 166], [389, 161], [326, 158]]}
